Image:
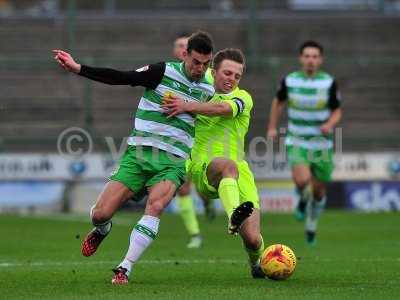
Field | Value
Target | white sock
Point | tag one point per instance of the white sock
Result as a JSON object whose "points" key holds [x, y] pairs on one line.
{"points": [[103, 228], [143, 234], [304, 193], [314, 210]]}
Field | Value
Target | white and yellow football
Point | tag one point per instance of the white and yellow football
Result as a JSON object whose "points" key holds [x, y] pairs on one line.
{"points": [[278, 262]]}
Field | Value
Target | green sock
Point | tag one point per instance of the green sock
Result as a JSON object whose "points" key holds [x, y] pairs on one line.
{"points": [[188, 214], [228, 192], [254, 255]]}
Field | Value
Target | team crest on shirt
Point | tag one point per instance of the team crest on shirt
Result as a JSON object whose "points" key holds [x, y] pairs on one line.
{"points": [[142, 69], [115, 171]]}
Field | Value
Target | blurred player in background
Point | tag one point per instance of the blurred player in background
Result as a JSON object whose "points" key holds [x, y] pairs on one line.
{"points": [[179, 48], [158, 146], [184, 200], [217, 167], [313, 112]]}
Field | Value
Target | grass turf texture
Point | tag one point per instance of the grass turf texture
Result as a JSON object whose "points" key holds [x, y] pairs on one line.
{"points": [[357, 256]]}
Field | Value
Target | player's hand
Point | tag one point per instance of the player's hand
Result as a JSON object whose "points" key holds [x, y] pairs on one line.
{"points": [[173, 105], [66, 61], [272, 133], [326, 128]]}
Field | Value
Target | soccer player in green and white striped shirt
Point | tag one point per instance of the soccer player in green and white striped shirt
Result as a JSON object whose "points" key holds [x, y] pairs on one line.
{"points": [[313, 111], [183, 197], [158, 146]]}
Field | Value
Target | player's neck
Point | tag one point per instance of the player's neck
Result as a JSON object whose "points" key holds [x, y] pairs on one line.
{"points": [[310, 74], [187, 74]]}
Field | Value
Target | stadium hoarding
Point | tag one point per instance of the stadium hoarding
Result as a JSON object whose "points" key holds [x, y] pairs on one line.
{"points": [[372, 196], [32, 196], [334, 4], [348, 166], [54, 167], [365, 196], [277, 195], [276, 189]]}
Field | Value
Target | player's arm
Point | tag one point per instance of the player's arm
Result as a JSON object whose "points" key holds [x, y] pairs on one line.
{"points": [[149, 76], [276, 110], [336, 111], [174, 105], [209, 109]]}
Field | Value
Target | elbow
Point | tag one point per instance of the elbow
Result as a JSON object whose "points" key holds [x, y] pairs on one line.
{"points": [[225, 110]]}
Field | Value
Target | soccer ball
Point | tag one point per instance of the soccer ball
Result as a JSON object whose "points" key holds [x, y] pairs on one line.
{"points": [[278, 262]]}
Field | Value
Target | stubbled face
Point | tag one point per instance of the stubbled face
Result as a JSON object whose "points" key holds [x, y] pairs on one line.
{"points": [[311, 60], [227, 76], [196, 64], [180, 46]]}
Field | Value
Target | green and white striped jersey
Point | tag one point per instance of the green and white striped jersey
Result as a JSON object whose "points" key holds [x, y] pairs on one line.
{"points": [[152, 127], [310, 103]]}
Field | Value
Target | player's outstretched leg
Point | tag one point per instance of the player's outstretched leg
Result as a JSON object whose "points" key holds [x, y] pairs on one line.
{"points": [[253, 243], [94, 238], [222, 174], [110, 199], [145, 231]]}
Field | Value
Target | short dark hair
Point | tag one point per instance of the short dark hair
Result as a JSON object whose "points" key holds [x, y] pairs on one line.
{"points": [[228, 53], [311, 44], [181, 35], [201, 42]]}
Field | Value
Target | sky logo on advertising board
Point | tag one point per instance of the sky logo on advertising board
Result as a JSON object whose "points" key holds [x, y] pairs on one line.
{"points": [[373, 196]]}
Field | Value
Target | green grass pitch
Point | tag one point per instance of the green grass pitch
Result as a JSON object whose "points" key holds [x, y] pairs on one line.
{"points": [[357, 256]]}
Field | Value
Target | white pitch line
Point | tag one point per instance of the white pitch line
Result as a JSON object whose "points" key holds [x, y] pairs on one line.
{"points": [[78, 263], [173, 261]]}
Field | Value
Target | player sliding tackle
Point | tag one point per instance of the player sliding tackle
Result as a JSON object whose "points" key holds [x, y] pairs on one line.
{"points": [[154, 161], [218, 168]]}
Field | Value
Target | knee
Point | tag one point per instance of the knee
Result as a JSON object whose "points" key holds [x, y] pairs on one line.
{"points": [[302, 182], [99, 215], [154, 207], [230, 169], [184, 190]]}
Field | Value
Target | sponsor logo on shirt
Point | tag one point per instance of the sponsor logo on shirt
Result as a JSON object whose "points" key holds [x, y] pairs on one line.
{"points": [[142, 69]]}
